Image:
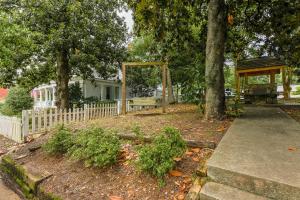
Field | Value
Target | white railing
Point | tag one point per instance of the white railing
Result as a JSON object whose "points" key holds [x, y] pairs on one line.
{"points": [[11, 127]]}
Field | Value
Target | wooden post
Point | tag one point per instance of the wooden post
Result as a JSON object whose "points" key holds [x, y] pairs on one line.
{"points": [[238, 86], [164, 89], [284, 85], [25, 124], [123, 89]]}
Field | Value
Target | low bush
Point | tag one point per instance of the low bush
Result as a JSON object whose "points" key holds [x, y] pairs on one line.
{"points": [[60, 142], [18, 99], [158, 158], [96, 147]]}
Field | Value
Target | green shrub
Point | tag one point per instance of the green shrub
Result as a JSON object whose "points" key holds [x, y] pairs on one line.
{"points": [[18, 99], [60, 142], [137, 131], [297, 92], [158, 158], [96, 147]]}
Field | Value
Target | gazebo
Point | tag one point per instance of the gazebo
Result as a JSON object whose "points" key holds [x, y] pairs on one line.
{"points": [[263, 66]]}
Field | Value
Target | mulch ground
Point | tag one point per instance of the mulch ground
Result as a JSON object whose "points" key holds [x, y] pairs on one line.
{"points": [[72, 180], [293, 111], [5, 144]]}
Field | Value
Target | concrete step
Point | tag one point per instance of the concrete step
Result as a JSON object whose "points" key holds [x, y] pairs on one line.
{"points": [[216, 191], [254, 155], [263, 187]]}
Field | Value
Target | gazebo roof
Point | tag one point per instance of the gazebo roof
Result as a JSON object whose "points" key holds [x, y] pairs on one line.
{"points": [[259, 63]]}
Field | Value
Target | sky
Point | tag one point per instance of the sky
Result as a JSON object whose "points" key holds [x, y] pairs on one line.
{"points": [[128, 19]]}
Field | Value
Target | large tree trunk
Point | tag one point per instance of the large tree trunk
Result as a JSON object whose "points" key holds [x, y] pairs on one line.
{"points": [[214, 73], [63, 76], [171, 98]]}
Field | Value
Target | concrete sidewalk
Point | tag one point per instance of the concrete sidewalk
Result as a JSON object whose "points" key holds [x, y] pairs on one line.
{"points": [[6, 193], [260, 154]]}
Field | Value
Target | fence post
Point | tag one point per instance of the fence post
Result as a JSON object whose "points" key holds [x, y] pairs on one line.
{"points": [[85, 112], [25, 125]]}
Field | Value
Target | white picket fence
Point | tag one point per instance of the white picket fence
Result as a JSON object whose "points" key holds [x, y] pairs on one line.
{"points": [[11, 127], [41, 120]]}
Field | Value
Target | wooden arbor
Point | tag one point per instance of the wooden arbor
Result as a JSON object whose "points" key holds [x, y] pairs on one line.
{"points": [[163, 66], [263, 66]]}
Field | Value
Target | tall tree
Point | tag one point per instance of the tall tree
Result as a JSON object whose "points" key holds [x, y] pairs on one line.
{"points": [[214, 64], [72, 37], [252, 23]]}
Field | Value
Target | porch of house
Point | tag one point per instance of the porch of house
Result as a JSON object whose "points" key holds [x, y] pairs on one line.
{"points": [[45, 95]]}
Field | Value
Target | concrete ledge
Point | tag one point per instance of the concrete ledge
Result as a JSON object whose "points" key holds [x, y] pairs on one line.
{"points": [[27, 183], [216, 191], [263, 187]]}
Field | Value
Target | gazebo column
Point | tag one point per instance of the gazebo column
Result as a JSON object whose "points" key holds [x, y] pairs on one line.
{"points": [[53, 96], [41, 95], [285, 84], [237, 85]]}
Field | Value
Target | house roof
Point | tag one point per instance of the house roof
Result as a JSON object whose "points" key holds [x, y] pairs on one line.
{"points": [[3, 93], [259, 63]]}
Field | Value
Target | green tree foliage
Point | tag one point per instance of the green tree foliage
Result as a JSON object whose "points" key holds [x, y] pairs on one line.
{"points": [[158, 158], [68, 37], [255, 27], [18, 99]]}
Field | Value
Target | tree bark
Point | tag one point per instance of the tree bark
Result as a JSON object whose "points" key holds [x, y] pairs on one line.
{"points": [[214, 72], [171, 98], [63, 77]]}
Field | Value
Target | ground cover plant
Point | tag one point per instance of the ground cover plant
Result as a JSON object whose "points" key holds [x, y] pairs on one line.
{"points": [[158, 158], [96, 147], [60, 142]]}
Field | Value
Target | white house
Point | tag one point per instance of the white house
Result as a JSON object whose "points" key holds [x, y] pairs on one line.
{"points": [[45, 94]]}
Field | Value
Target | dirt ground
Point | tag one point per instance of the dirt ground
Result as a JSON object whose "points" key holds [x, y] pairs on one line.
{"points": [[185, 117], [71, 180], [5, 144], [293, 111]]}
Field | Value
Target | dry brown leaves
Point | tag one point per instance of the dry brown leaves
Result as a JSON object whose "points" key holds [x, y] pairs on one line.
{"points": [[175, 173], [115, 198]]}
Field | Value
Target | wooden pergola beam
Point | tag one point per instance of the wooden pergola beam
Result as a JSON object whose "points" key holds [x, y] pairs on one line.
{"points": [[140, 64], [163, 66], [259, 69]]}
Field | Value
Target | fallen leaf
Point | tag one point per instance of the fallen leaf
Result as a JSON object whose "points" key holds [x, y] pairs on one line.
{"points": [[182, 188], [187, 180], [221, 129], [177, 159], [180, 197], [196, 159], [115, 198], [196, 150], [175, 173], [292, 148], [177, 183], [189, 153]]}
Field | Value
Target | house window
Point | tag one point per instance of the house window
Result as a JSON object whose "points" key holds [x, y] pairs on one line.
{"points": [[108, 96]]}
